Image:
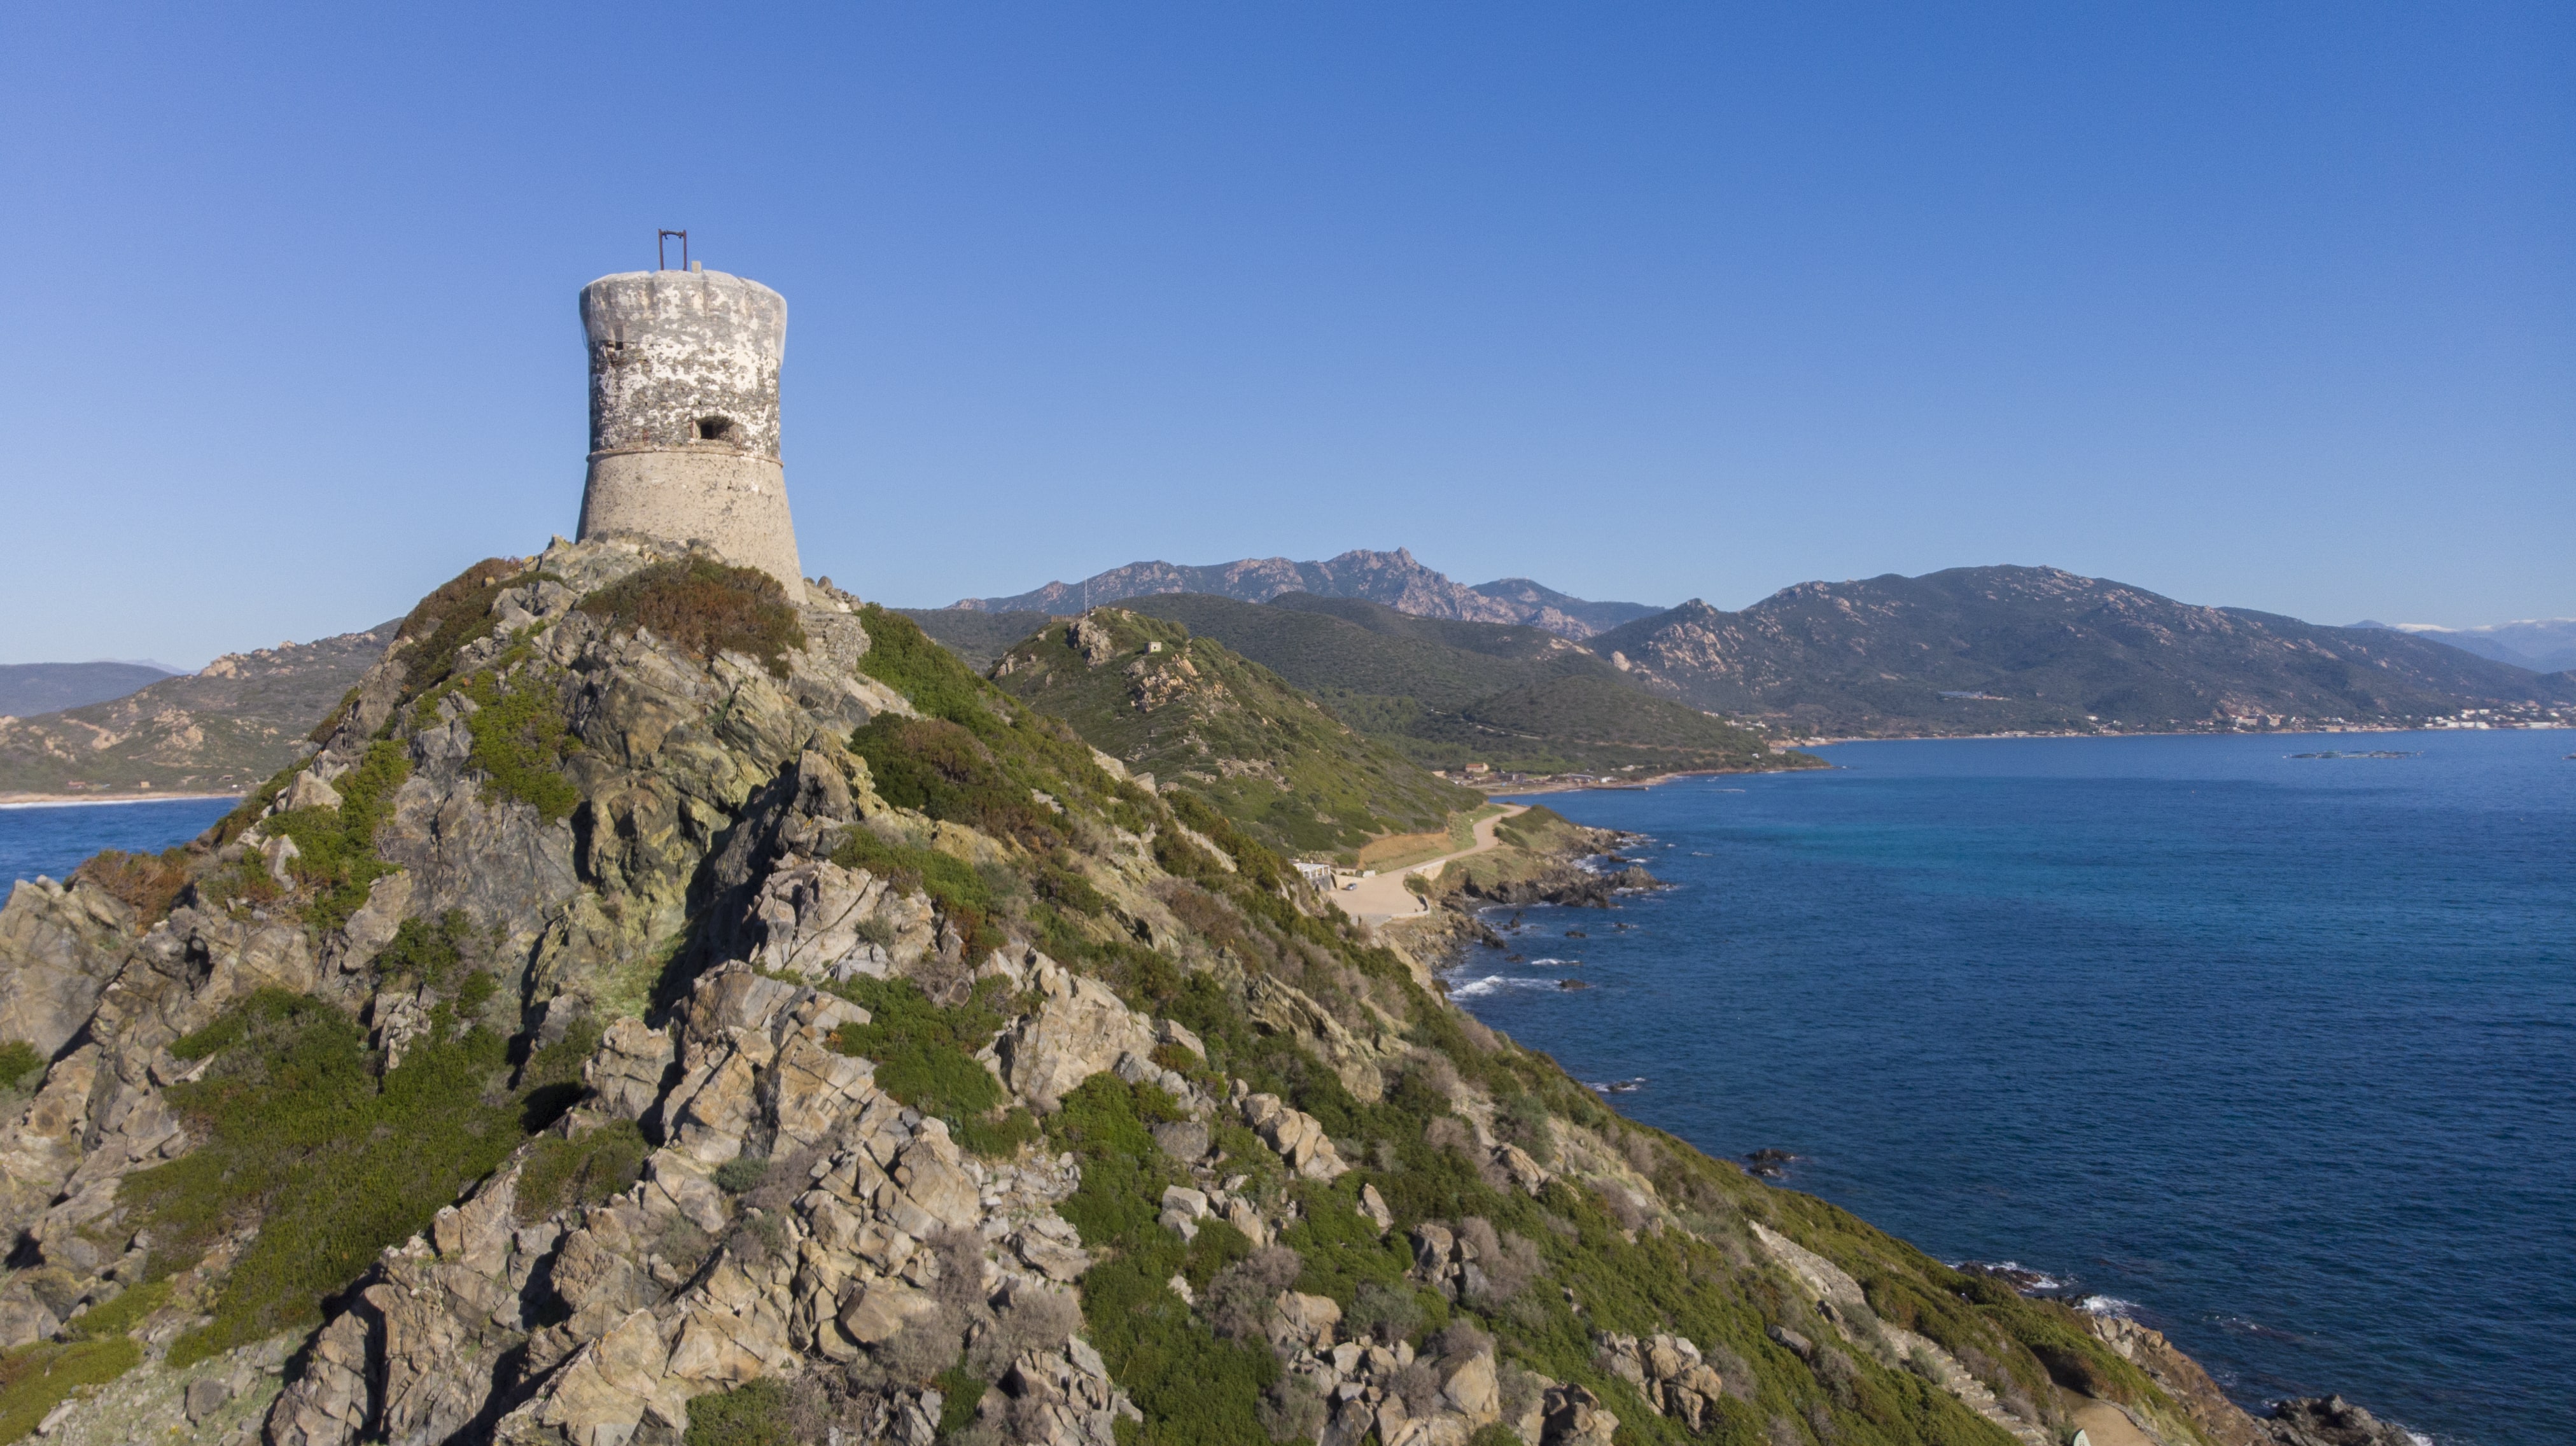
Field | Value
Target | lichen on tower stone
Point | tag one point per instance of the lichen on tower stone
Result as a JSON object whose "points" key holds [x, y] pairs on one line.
{"points": [[684, 416]]}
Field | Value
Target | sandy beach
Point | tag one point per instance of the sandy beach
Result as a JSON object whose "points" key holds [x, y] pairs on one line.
{"points": [[86, 800]]}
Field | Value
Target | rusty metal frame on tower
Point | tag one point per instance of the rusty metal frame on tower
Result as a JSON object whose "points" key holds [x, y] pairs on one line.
{"points": [[661, 253]]}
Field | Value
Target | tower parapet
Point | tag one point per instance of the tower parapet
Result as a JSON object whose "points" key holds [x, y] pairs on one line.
{"points": [[684, 415]]}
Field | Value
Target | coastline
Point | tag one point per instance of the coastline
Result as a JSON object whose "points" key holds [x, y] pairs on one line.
{"points": [[1821, 742], [1514, 790], [83, 800], [2254, 1418]]}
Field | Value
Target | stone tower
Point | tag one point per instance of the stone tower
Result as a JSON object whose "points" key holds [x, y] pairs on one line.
{"points": [[684, 415]]}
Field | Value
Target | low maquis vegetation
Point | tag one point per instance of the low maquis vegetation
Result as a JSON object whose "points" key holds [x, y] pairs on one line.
{"points": [[703, 608], [1144, 1118], [1192, 711], [329, 1155]]}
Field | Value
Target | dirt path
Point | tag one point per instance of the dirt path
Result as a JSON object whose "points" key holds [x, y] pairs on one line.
{"points": [[2104, 1424], [1374, 901]]}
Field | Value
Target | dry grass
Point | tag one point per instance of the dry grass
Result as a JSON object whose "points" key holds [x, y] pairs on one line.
{"points": [[705, 608], [145, 883]]}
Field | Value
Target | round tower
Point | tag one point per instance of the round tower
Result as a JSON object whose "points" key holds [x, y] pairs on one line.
{"points": [[684, 415]]}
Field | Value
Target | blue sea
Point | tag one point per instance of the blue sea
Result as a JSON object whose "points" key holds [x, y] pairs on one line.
{"points": [[51, 839], [2275, 1054]]}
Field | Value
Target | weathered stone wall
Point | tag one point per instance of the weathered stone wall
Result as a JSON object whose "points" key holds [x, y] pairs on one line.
{"points": [[684, 415], [735, 505]]}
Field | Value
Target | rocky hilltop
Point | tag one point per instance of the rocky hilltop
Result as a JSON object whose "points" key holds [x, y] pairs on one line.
{"points": [[1990, 649], [1393, 579], [660, 1012], [1192, 711], [222, 730]]}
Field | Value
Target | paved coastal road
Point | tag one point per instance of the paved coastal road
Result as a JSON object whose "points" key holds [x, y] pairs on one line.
{"points": [[1374, 901]]}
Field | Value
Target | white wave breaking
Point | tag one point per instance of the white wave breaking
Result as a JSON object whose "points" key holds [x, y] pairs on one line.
{"points": [[1494, 984]]}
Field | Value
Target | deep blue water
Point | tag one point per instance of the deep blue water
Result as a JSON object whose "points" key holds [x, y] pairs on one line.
{"points": [[2278, 1052], [51, 839]]}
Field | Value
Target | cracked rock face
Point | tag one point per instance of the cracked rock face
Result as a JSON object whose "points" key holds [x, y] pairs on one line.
{"points": [[712, 796], [592, 1326]]}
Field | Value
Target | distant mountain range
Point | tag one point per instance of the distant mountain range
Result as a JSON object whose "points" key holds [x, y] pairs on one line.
{"points": [[1443, 692], [1393, 579], [1509, 673], [2544, 645], [1447, 692], [1969, 650], [1993, 649], [31, 688], [222, 730]]}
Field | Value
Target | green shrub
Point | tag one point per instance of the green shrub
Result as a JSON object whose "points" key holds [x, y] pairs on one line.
{"points": [[741, 1173], [998, 1139], [1344, 1255], [36, 1378], [1121, 1182], [477, 990], [960, 893], [704, 608], [960, 1392], [457, 612], [755, 1413], [1067, 889], [330, 723], [423, 952], [336, 847], [1523, 1120], [1193, 1387], [586, 1171], [520, 743], [18, 1060], [902, 656], [925, 1057], [124, 1313], [944, 770], [334, 1162], [251, 809]]}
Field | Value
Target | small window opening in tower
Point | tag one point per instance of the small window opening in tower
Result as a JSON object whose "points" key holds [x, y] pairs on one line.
{"points": [[714, 429]]}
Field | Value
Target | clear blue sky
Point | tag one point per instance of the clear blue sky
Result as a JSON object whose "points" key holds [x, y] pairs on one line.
{"points": [[2268, 305]]}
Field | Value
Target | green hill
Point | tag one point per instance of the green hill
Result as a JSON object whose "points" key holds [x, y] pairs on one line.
{"points": [[1449, 693], [1444, 693], [981, 638], [1190, 709]]}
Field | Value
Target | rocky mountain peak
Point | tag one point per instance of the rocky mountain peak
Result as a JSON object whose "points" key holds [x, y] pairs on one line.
{"points": [[1393, 579]]}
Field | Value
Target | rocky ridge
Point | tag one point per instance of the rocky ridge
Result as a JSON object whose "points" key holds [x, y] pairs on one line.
{"points": [[221, 730], [804, 1041], [1394, 579]]}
